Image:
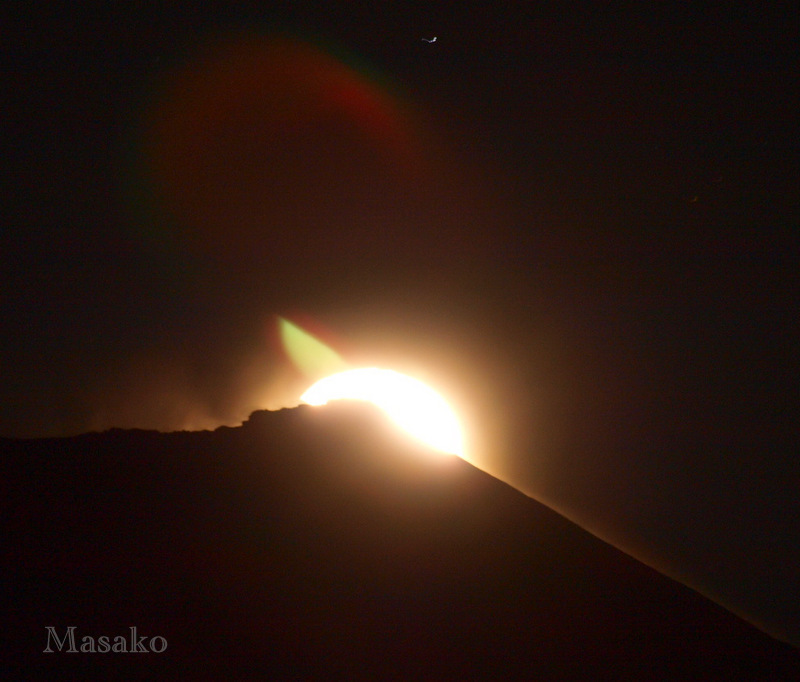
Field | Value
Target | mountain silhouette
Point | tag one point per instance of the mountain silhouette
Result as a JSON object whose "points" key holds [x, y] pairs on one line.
{"points": [[323, 543]]}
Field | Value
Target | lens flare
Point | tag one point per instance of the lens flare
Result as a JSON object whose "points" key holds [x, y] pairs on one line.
{"points": [[306, 352], [255, 144], [411, 404]]}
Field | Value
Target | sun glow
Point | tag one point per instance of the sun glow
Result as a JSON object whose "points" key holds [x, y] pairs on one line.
{"points": [[411, 404]]}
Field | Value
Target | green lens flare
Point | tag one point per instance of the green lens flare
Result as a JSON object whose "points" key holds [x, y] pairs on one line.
{"points": [[307, 353]]}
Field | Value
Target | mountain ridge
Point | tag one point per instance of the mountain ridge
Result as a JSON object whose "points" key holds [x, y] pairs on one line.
{"points": [[320, 542]]}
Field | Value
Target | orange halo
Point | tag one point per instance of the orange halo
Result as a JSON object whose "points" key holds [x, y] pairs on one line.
{"points": [[260, 140]]}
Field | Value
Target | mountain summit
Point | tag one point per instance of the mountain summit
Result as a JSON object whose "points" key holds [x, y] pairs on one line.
{"points": [[322, 543]]}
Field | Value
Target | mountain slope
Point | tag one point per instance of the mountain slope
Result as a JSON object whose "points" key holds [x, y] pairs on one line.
{"points": [[322, 543]]}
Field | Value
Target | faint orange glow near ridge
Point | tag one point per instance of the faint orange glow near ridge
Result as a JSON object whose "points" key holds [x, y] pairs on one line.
{"points": [[411, 404]]}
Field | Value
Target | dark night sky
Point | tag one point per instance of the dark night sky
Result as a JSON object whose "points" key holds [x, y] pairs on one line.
{"points": [[580, 225]]}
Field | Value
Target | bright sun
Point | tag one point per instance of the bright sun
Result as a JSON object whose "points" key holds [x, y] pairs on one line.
{"points": [[411, 404]]}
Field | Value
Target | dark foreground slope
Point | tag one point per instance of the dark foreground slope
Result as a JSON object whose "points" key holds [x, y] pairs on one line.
{"points": [[318, 543]]}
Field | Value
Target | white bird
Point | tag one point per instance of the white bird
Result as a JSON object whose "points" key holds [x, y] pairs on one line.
{"points": [[432, 40]]}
